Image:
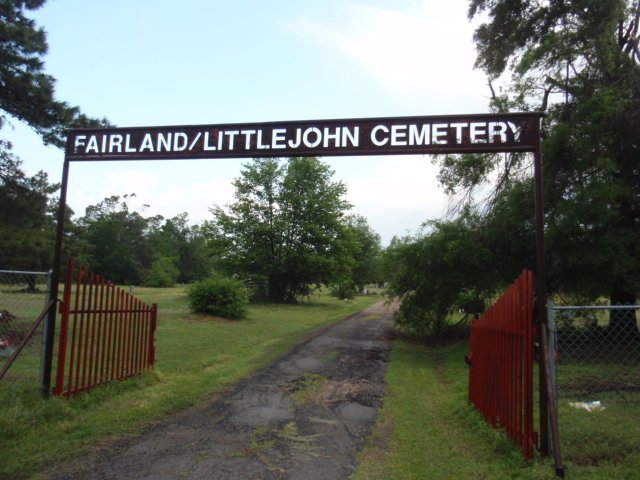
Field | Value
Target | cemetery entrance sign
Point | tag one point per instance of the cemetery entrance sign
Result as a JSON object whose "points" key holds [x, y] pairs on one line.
{"points": [[377, 136], [481, 133]]}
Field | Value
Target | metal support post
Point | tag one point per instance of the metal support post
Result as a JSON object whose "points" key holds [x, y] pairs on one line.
{"points": [[50, 322], [43, 348], [553, 347], [548, 410]]}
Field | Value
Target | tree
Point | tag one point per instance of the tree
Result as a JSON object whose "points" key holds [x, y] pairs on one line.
{"points": [[458, 264], [116, 241], [163, 273], [27, 92], [127, 247], [366, 252], [579, 62], [444, 271], [362, 252], [26, 217], [282, 230], [184, 244]]}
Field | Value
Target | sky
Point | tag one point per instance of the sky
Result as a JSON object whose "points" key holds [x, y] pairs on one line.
{"points": [[157, 62]]}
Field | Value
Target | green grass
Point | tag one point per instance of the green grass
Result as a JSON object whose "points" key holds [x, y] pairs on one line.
{"points": [[610, 437], [427, 429], [196, 357]]}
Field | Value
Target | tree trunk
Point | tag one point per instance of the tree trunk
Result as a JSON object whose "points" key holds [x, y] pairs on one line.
{"points": [[623, 323], [277, 288]]}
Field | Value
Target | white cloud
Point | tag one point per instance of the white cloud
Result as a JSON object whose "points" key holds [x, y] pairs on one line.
{"points": [[155, 193], [417, 54], [397, 194], [424, 53], [197, 198]]}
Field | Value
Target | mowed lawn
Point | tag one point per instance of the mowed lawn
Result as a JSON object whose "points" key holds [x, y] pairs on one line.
{"points": [[428, 430], [196, 358]]}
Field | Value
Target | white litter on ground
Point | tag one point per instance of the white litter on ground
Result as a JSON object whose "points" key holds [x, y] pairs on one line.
{"points": [[594, 406]]}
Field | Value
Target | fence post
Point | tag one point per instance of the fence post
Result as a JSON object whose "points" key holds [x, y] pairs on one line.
{"points": [[43, 349], [152, 333], [551, 319], [48, 332]]}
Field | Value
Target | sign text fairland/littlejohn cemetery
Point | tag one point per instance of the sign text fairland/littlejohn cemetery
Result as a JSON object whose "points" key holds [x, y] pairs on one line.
{"points": [[377, 136]]}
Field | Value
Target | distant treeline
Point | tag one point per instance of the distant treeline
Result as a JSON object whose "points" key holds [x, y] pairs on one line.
{"points": [[287, 231]]}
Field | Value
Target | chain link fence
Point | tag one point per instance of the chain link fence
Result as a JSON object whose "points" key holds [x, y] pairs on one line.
{"points": [[23, 296], [597, 377]]}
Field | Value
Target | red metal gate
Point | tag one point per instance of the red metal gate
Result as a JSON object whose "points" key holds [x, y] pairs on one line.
{"points": [[501, 374], [106, 334]]}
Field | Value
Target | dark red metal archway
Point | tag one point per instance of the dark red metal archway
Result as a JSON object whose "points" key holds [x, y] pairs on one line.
{"points": [[478, 133]]}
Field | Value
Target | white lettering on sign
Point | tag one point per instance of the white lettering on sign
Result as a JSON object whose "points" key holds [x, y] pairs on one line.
{"points": [[127, 147], [458, 128], [317, 137], [92, 145], [350, 136], [115, 141], [398, 135], [456, 133], [422, 137], [438, 131], [232, 135], [331, 136], [254, 139], [180, 142], [516, 129], [377, 139], [207, 147], [478, 132], [497, 129], [261, 146], [164, 142], [247, 136], [147, 143], [278, 139]]}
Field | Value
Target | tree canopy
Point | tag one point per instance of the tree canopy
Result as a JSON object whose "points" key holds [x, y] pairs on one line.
{"points": [[286, 231], [28, 93], [124, 246], [26, 217], [283, 230], [577, 61], [362, 265]]}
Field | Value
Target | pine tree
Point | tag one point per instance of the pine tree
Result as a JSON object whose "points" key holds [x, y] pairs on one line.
{"points": [[26, 91]]}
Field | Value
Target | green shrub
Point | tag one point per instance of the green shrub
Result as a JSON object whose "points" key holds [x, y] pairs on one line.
{"points": [[224, 297]]}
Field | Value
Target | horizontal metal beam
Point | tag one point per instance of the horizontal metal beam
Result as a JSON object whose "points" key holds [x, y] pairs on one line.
{"points": [[476, 133]]}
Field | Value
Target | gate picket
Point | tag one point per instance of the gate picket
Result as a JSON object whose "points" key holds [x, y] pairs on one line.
{"points": [[110, 332], [501, 358]]}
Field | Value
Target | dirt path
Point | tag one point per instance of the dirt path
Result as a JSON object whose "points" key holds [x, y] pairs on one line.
{"points": [[306, 416]]}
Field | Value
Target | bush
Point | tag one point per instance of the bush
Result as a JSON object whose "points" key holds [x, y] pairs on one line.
{"points": [[224, 297]]}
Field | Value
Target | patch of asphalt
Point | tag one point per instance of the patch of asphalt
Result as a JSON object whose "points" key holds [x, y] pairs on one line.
{"points": [[306, 416]]}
